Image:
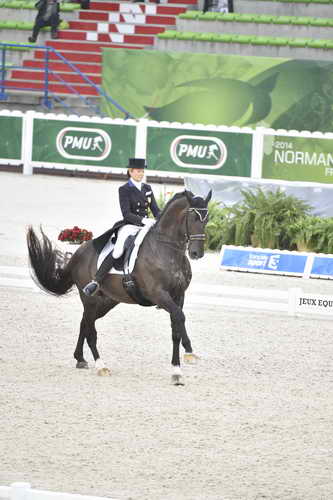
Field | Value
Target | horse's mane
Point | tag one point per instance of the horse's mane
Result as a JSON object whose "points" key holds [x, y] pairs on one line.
{"points": [[174, 198]]}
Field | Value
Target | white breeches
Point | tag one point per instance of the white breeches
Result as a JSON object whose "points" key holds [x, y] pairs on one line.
{"points": [[123, 232]]}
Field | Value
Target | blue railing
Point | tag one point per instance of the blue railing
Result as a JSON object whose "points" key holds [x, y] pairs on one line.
{"points": [[49, 96]]}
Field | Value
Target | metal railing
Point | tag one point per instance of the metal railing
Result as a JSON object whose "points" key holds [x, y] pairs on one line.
{"points": [[50, 96]]}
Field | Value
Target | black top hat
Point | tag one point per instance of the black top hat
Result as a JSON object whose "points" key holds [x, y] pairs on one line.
{"points": [[136, 163]]}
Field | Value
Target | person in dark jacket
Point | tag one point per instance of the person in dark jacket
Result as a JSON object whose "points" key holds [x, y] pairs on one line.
{"points": [[48, 15], [135, 198]]}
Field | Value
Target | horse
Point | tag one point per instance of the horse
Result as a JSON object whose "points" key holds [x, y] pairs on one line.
{"points": [[162, 273]]}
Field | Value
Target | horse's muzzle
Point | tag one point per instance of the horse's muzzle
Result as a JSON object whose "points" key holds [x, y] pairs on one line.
{"points": [[196, 251]]}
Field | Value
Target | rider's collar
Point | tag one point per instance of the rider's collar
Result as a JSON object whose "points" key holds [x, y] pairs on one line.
{"points": [[136, 184]]}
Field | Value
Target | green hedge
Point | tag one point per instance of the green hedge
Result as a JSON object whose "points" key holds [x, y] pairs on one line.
{"points": [[269, 220]]}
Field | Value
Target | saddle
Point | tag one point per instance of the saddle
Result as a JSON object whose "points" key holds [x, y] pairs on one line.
{"points": [[125, 262], [129, 282]]}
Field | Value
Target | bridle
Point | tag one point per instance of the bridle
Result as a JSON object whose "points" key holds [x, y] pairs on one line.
{"points": [[202, 213]]}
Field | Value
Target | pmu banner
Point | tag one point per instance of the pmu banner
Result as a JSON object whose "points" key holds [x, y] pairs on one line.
{"points": [[298, 158], [82, 143], [199, 151], [11, 137]]}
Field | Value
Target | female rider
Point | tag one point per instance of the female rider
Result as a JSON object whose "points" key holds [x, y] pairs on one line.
{"points": [[135, 198]]}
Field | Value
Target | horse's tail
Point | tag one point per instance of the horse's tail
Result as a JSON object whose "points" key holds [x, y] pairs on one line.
{"points": [[49, 272]]}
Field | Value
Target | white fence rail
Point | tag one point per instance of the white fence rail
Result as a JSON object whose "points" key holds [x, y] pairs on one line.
{"points": [[23, 491], [293, 301]]}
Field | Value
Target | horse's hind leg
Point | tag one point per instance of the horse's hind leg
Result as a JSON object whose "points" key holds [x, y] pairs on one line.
{"points": [[93, 310]]}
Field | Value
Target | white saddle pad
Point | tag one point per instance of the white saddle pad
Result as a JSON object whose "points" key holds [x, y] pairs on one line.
{"points": [[110, 246]]}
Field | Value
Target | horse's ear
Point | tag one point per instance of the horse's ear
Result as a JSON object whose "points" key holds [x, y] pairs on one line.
{"points": [[189, 196], [209, 195]]}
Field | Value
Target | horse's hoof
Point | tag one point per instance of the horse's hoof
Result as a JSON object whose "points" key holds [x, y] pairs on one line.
{"points": [[191, 358], [82, 364], [103, 372], [177, 380]]}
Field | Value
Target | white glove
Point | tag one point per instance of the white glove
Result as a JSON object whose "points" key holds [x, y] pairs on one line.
{"points": [[146, 221]]}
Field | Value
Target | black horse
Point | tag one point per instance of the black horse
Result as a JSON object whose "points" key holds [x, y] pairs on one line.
{"points": [[162, 274]]}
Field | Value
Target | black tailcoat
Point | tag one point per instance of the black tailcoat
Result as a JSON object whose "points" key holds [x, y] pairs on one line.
{"points": [[134, 204]]}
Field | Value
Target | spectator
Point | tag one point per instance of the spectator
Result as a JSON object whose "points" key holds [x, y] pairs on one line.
{"points": [[48, 15], [218, 6]]}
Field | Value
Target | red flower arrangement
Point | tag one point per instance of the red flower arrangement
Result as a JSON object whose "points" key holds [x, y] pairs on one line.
{"points": [[75, 235]]}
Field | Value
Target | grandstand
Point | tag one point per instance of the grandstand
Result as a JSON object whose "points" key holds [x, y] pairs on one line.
{"points": [[288, 29]]}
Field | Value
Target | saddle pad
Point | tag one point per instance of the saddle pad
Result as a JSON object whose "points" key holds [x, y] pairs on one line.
{"points": [[109, 247]]}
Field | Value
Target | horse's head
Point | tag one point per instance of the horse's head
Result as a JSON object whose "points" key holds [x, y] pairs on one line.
{"points": [[196, 220]]}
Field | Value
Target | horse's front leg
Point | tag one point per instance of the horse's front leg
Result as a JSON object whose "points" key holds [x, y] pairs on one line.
{"points": [[177, 318], [189, 356]]}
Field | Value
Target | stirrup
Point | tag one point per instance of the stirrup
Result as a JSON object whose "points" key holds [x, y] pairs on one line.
{"points": [[91, 288]]}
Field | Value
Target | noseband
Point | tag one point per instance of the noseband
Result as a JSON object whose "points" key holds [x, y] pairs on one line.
{"points": [[202, 213]]}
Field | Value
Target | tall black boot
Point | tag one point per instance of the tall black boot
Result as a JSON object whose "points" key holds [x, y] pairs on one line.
{"points": [[92, 287], [35, 32]]}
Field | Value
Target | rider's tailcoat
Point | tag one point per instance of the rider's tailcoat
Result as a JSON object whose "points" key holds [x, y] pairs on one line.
{"points": [[134, 204]]}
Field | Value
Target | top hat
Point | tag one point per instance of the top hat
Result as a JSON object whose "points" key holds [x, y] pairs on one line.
{"points": [[136, 163]]}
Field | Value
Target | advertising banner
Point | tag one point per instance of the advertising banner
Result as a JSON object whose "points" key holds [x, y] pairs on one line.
{"points": [[322, 267], [11, 137], [298, 158], [313, 303], [199, 151], [219, 89], [82, 143], [264, 261]]}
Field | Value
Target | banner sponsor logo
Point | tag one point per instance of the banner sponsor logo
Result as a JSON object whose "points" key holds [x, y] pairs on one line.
{"points": [[83, 143], [262, 260], [298, 158], [196, 151]]}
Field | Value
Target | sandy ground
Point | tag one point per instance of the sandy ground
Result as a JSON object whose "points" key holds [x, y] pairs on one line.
{"points": [[254, 420]]}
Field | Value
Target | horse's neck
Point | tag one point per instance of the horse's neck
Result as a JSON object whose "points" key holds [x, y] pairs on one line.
{"points": [[172, 223]]}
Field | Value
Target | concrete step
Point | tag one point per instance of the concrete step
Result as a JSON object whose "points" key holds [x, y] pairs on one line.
{"points": [[88, 69], [119, 17], [257, 29], [107, 27], [59, 89], [31, 74], [276, 8]]}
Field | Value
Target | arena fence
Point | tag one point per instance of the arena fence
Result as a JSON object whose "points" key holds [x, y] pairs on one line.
{"points": [[23, 491], [172, 149]]}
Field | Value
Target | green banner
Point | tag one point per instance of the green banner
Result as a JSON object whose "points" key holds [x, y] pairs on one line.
{"points": [[220, 89], [199, 151], [83, 143], [11, 137], [298, 158]]}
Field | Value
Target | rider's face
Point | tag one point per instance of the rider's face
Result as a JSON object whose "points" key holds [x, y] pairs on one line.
{"points": [[136, 174]]}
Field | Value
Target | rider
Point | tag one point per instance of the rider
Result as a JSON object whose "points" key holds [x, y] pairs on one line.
{"points": [[135, 198]]}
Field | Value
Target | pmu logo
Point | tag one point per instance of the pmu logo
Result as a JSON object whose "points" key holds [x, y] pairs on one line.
{"points": [[198, 151], [84, 143]]}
